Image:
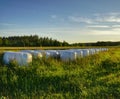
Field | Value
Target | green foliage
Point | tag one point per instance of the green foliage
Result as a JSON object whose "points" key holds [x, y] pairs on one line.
{"points": [[99, 43], [95, 76], [1, 58], [29, 41], [36, 41]]}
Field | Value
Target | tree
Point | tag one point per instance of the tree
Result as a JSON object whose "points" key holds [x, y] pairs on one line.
{"points": [[65, 43], [0, 41]]}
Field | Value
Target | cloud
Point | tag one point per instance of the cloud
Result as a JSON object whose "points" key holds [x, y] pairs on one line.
{"points": [[53, 16], [115, 26], [6, 24], [68, 34], [98, 26], [112, 17], [107, 32], [116, 29], [55, 19], [97, 18], [80, 19], [106, 22], [94, 21]]}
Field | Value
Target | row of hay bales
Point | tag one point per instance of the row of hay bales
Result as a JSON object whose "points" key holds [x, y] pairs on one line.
{"points": [[25, 57]]}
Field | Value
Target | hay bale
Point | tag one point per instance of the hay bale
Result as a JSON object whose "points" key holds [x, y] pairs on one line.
{"points": [[35, 54], [20, 57], [68, 55]]}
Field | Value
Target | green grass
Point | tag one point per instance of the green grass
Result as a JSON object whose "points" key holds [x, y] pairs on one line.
{"points": [[92, 77], [32, 48]]}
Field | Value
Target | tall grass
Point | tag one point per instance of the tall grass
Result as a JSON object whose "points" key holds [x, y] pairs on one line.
{"points": [[95, 76]]}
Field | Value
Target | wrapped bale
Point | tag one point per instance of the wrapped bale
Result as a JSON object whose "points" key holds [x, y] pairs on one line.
{"points": [[68, 55], [41, 51], [44, 53], [92, 51], [104, 49], [20, 57], [85, 52], [35, 54], [78, 51], [97, 50], [52, 53]]}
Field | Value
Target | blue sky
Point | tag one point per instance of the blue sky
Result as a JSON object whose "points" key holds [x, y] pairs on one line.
{"points": [[69, 20]]}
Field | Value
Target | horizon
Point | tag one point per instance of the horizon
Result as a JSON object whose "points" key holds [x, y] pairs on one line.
{"points": [[72, 21], [58, 40]]}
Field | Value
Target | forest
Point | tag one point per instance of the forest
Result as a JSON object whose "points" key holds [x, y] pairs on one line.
{"points": [[29, 41], [36, 41]]}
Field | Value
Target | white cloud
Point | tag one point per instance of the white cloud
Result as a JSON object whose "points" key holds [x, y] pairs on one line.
{"points": [[96, 21], [80, 19], [108, 17], [114, 32], [53, 16], [112, 17], [115, 26], [98, 26], [6, 24], [68, 34], [116, 29]]}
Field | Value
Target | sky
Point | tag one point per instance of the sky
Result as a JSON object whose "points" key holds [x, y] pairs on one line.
{"points": [[69, 20]]}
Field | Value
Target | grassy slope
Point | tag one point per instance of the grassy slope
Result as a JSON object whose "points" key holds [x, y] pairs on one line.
{"points": [[96, 76]]}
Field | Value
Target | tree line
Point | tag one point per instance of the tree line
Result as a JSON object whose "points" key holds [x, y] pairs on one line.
{"points": [[30, 41], [36, 41], [99, 43]]}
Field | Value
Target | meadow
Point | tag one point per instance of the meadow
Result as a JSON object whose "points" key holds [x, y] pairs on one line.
{"points": [[92, 77]]}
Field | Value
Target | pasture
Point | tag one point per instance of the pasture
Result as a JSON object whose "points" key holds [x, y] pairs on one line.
{"points": [[94, 76]]}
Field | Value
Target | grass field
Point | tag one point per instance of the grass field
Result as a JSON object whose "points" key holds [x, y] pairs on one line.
{"points": [[92, 77], [22, 48]]}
